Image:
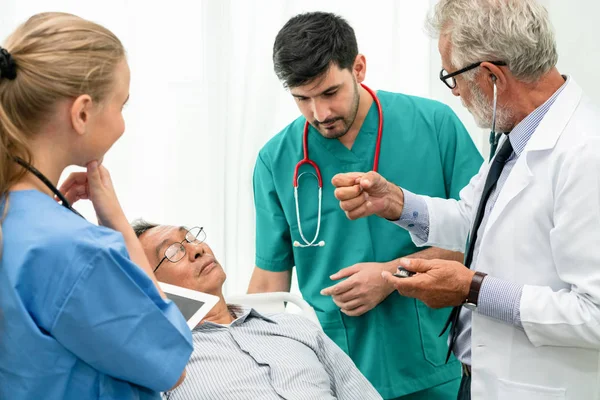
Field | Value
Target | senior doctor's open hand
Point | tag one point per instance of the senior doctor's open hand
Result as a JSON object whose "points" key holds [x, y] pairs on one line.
{"points": [[437, 283], [364, 194]]}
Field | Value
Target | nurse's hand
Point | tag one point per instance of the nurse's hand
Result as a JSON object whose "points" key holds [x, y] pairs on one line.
{"points": [[364, 194], [362, 291], [438, 283], [74, 188], [96, 185]]}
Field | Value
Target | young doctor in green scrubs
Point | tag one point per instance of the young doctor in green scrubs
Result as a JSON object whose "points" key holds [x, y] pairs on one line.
{"points": [[392, 339]]}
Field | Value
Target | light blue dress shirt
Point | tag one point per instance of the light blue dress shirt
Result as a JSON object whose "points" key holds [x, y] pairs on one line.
{"points": [[78, 319]]}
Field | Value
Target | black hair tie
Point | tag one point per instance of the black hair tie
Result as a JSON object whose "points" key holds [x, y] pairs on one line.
{"points": [[8, 68]]}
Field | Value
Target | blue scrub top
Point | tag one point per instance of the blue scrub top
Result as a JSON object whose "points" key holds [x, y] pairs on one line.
{"points": [[78, 319]]}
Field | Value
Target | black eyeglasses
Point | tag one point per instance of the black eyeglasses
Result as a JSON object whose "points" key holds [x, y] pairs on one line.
{"points": [[449, 80], [176, 251]]}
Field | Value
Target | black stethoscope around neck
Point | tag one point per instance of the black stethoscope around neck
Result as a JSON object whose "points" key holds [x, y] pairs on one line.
{"points": [[65, 203]]}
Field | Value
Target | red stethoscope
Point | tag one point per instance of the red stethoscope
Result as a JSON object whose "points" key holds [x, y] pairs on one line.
{"points": [[307, 160]]}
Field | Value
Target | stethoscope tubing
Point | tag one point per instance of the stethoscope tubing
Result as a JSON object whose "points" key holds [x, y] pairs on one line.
{"points": [[64, 202], [307, 160]]}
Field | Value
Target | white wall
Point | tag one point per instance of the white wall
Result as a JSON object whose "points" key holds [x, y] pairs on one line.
{"points": [[578, 37], [204, 97]]}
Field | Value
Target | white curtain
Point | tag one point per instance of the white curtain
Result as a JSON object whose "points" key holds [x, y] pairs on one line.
{"points": [[204, 98]]}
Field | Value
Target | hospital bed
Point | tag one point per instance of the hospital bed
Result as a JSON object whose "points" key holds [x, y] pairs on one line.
{"points": [[276, 302]]}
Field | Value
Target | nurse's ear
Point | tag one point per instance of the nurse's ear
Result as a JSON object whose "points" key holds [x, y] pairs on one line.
{"points": [[81, 112], [359, 68]]}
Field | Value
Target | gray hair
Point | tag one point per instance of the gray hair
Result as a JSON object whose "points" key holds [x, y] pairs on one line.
{"points": [[517, 32], [140, 226]]}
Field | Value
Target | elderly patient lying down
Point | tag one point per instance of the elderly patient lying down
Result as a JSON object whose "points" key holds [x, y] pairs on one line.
{"points": [[238, 352]]}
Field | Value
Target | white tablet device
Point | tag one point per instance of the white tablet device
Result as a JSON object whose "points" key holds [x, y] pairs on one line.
{"points": [[192, 304]]}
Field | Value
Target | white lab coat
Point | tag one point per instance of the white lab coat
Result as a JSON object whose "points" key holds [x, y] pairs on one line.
{"points": [[543, 233]]}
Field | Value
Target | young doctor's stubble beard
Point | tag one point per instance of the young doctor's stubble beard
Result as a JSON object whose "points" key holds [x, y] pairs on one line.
{"points": [[348, 120], [482, 111]]}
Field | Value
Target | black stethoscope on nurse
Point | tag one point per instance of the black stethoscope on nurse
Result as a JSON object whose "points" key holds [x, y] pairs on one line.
{"points": [[307, 160], [65, 203]]}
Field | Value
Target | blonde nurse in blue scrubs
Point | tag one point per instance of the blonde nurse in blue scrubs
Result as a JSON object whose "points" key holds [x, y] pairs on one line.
{"points": [[81, 314]]}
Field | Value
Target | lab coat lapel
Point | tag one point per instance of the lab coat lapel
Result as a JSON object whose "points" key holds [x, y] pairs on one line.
{"points": [[520, 177], [543, 139]]}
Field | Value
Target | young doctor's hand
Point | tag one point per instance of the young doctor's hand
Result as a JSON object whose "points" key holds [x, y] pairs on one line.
{"points": [[364, 194], [362, 291], [438, 283]]}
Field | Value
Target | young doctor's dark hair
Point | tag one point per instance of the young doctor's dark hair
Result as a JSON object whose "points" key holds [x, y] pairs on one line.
{"points": [[309, 43]]}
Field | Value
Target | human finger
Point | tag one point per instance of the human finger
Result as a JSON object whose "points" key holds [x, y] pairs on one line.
{"points": [[347, 192], [353, 204], [346, 179]]}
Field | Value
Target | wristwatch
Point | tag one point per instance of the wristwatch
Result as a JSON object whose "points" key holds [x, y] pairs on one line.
{"points": [[471, 301]]}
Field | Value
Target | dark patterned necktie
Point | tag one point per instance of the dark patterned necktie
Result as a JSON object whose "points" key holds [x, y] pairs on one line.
{"points": [[490, 182], [494, 139]]}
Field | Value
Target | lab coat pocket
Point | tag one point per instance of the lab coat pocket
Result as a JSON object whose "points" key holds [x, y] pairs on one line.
{"points": [[508, 390]]}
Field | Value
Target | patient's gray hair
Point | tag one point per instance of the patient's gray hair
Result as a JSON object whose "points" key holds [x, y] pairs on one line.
{"points": [[140, 226], [517, 32]]}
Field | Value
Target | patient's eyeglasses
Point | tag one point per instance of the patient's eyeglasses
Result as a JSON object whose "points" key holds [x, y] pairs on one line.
{"points": [[176, 251]]}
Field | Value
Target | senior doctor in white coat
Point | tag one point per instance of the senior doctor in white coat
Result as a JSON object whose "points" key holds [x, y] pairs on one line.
{"points": [[526, 322]]}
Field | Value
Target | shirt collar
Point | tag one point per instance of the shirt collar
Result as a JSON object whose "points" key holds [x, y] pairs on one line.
{"points": [[242, 314], [521, 134]]}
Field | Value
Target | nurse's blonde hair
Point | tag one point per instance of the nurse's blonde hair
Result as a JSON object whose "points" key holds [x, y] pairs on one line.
{"points": [[56, 56]]}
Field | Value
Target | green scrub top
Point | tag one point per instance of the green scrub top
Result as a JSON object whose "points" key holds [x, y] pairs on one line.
{"points": [[425, 149]]}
